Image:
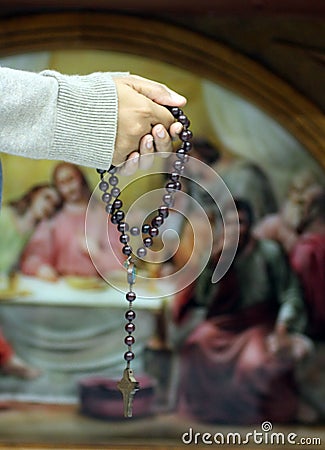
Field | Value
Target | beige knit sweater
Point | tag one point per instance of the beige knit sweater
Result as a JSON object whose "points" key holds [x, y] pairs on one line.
{"points": [[54, 116]]}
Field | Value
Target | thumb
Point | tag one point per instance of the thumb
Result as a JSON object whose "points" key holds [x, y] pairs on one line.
{"points": [[155, 91]]}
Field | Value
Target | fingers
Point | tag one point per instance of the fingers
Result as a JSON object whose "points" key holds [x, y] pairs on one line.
{"points": [[157, 92], [162, 139]]}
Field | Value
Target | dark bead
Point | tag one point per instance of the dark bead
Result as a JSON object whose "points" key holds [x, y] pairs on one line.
{"points": [[146, 228], [120, 215], [163, 211], [115, 192], [157, 221], [141, 252], [183, 120], [130, 296], [130, 327], [168, 199], [179, 166], [185, 135], [128, 356], [154, 232], [178, 185], [174, 176], [113, 180], [176, 112], [101, 171], [129, 340], [122, 227], [135, 231], [117, 204], [112, 170], [182, 155], [130, 314], [109, 208], [103, 186], [147, 241], [114, 218], [127, 250], [124, 238], [187, 146], [106, 197], [170, 187]]}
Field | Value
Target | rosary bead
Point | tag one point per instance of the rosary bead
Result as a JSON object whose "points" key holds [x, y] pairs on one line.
{"points": [[130, 314], [127, 250], [168, 199], [129, 340], [135, 231], [122, 227], [178, 185], [130, 296], [170, 187], [176, 112], [130, 327], [157, 221], [112, 170], [174, 176], [124, 238], [146, 228], [185, 135], [147, 241], [109, 209], [128, 356], [115, 192], [187, 146], [179, 166], [141, 252], [103, 185], [101, 171], [113, 180], [163, 211], [183, 120], [153, 232], [117, 204], [114, 218], [106, 197], [119, 215]]}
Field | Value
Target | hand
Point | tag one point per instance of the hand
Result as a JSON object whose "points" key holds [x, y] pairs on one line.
{"points": [[140, 109]]}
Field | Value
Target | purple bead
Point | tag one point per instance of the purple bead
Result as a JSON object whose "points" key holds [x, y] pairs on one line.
{"points": [[115, 192], [145, 228], [101, 171], [168, 199], [141, 252], [187, 146], [117, 204], [128, 356], [130, 296], [178, 185], [114, 218], [113, 180], [127, 250], [163, 211], [147, 241], [130, 327], [119, 215], [122, 227], [174, 176], [179, 166], [109, 208], [129, 340], [170, 186], [157, 221], [135, 231], [124, 238], [106, 197], [153, 232], [103, 186], [130, 315], [176, 112], [183, 120], [185, 135]]}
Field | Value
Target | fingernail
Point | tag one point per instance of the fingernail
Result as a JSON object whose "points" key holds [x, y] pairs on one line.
{"points": [[178, 99], [178, 127], [149, 143], [161, 132]]}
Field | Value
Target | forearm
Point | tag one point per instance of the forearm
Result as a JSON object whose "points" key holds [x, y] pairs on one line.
{"points": [[60, 117]]}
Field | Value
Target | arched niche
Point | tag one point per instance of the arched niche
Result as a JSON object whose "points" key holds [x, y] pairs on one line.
{"points": [[174, 45]]}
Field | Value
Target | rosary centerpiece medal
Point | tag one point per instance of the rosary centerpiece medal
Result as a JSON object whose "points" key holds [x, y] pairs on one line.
{"points": [[128, 385]]}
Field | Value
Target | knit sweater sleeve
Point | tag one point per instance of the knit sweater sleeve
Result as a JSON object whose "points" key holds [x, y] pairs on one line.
{"points": [[54, 116]]}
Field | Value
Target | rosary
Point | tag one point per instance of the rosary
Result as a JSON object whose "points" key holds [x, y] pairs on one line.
{"points": [[128, 385]]}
